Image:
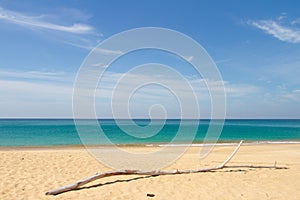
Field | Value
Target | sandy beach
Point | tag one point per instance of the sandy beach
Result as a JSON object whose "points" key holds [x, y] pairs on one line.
{"points": [[27, 173]]}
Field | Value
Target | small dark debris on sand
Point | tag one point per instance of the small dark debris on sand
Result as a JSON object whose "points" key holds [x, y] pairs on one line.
{"points": [[150, 195]]}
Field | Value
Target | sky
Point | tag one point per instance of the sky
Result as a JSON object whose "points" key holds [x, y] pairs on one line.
{"points": [[255, 45]]}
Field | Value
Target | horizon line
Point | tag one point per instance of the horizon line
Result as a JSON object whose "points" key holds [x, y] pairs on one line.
{"points": [[67, 118]]}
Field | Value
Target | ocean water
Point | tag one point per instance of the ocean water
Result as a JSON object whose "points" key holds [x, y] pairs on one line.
{"points": [[50, 132]]}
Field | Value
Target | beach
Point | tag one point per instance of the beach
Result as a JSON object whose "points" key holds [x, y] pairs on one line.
{"points": [[28, 172]]}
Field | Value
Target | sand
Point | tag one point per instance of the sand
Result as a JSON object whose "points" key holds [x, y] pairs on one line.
{"points": [[27, 173]]}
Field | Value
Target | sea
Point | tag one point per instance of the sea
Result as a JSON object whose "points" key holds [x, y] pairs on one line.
{"points": [[56, 132]]}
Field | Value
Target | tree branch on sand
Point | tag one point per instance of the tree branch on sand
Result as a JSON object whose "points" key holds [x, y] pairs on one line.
{"points": [[156, 173]]}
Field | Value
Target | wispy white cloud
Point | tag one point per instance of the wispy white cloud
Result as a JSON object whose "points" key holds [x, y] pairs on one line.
{"points": [[38, 93], [59, 26], [293, 95], [282, 16], [39, 22], [199, 86], [274, 28], [296, 91], [36, 75], [189, 58], [282, 96], [108, 51], [34, 99], [296, 21], [35, 93], [168, 98]]}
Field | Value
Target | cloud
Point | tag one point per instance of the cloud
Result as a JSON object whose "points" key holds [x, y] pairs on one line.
{"points": [[39, 22], [296, 21], [34, 99], [77, 34], [199, 86], [22, 90], [35, 93], [283, 33], [28, 74], [42, 94], [291, 95], [108, 51], [296, 91], [281, 97], [282, 16], [36, 76], [38, 93], [189, 58]]}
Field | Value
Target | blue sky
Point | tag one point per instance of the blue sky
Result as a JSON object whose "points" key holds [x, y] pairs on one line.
{"points": [[255, 44]]}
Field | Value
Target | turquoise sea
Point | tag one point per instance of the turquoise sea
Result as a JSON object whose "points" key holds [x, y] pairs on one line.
{"points": [[50, 132]]}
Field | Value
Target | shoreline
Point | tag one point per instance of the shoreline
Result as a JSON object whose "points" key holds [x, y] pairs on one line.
{"points": [[83, 147]]}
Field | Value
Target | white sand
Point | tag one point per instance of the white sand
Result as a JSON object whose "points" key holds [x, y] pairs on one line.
{"points": [[29, 173]]}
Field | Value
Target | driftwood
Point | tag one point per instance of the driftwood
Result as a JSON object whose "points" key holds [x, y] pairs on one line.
{"points": [[155, 173]]}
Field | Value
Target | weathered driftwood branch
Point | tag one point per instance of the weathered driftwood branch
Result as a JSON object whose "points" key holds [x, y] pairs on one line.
{"points": [[152, 173], [256, 167]]}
